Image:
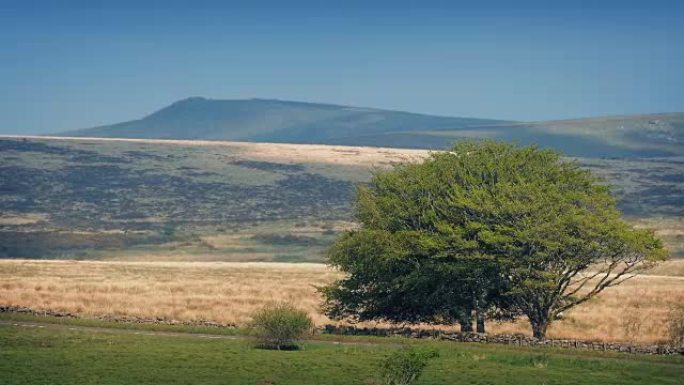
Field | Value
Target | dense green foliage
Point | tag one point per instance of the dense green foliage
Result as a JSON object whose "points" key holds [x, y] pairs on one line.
{"points": [[280, 326], [490, 227], [405, 366], [48, 356]]}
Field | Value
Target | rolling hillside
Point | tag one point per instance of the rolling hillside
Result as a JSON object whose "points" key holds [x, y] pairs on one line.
{"points": [[231, 201], [261, 120], [652, 135]]}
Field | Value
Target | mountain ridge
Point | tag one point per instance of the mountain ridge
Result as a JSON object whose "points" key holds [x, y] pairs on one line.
{"points": [[284, 121]]}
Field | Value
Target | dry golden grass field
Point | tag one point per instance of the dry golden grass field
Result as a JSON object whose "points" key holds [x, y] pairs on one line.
{"points": [[637, 311]]}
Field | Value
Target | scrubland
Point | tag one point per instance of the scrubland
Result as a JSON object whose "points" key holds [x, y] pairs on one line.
{"points": [[79, 198], [636, 311]]}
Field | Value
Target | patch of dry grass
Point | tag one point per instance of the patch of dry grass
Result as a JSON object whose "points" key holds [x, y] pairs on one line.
{"points": [[672, 268], [10, 219], [636, 311], [223, 292], [229, 292], [670, 230], [279, 152]]}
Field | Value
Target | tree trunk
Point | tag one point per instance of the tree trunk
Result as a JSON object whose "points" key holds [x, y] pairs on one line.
{"points": [[539, 327], [480, 321], [479, 316], [466, 322]]}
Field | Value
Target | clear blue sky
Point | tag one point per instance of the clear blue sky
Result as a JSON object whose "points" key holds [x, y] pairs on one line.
{"points": [[76, 64]]}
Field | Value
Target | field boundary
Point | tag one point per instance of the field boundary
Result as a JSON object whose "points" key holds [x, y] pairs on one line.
{"points": [[335, 330], [506, 339], [161, 333]]}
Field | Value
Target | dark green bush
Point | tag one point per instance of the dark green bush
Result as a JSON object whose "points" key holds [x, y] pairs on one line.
{"points": [[280, 326], [404, 366]]}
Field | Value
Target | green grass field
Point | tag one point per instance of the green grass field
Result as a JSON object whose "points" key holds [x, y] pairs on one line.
{"points": [[50, 356]]}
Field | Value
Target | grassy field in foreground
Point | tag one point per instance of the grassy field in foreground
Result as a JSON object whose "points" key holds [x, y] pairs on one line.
{"points": [[40, 356], [637, 311]]}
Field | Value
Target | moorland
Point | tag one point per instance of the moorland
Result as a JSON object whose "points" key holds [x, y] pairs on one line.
{"points": [[69, 198], [159, 234]]}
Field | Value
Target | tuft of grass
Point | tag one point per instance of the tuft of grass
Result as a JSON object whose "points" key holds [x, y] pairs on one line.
{"points": [[676, 325]]}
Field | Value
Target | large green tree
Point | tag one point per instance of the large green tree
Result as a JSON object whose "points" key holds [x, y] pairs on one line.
{"points": [[488, 227]]}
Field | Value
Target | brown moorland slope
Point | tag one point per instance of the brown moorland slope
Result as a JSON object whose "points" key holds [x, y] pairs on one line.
{"points": [[69, 198]]}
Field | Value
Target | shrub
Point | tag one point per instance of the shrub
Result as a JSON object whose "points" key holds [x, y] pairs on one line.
{"points": [[280, 326], [404, 366], [676, 326]]}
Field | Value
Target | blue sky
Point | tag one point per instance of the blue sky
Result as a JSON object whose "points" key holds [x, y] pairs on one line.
{"points": [[76, 64]]}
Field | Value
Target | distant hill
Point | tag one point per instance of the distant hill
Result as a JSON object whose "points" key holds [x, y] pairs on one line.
{"points": [[648, 135], [263, 120], [272, 120]]}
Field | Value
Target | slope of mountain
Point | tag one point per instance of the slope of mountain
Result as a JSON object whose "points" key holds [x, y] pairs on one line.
{"points": [[271, 120], [262, 120], [648, 135]]}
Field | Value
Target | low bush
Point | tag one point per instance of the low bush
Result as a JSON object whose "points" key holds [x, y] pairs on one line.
{"points": [[280, 326], [404, 366]]}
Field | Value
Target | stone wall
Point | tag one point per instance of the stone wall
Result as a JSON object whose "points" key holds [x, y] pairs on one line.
{"points": [[123, 319], [505, 339]]}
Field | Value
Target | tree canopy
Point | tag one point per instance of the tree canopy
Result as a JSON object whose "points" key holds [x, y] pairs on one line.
{"points": [[487, 227]]}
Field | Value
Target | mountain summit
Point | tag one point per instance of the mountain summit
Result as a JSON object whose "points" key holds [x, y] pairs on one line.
{"points": [[269, 120], [272, 121]]}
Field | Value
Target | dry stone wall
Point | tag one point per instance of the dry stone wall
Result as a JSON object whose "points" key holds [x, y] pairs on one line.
{"points": [[505, 339]]}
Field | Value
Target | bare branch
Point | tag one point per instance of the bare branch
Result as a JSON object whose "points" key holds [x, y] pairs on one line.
{"points": [[583, 282], [607, 280]]}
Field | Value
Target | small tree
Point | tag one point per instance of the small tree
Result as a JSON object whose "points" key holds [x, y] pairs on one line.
{"points": [[280, 326], [486, 226], [404, 366]]}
